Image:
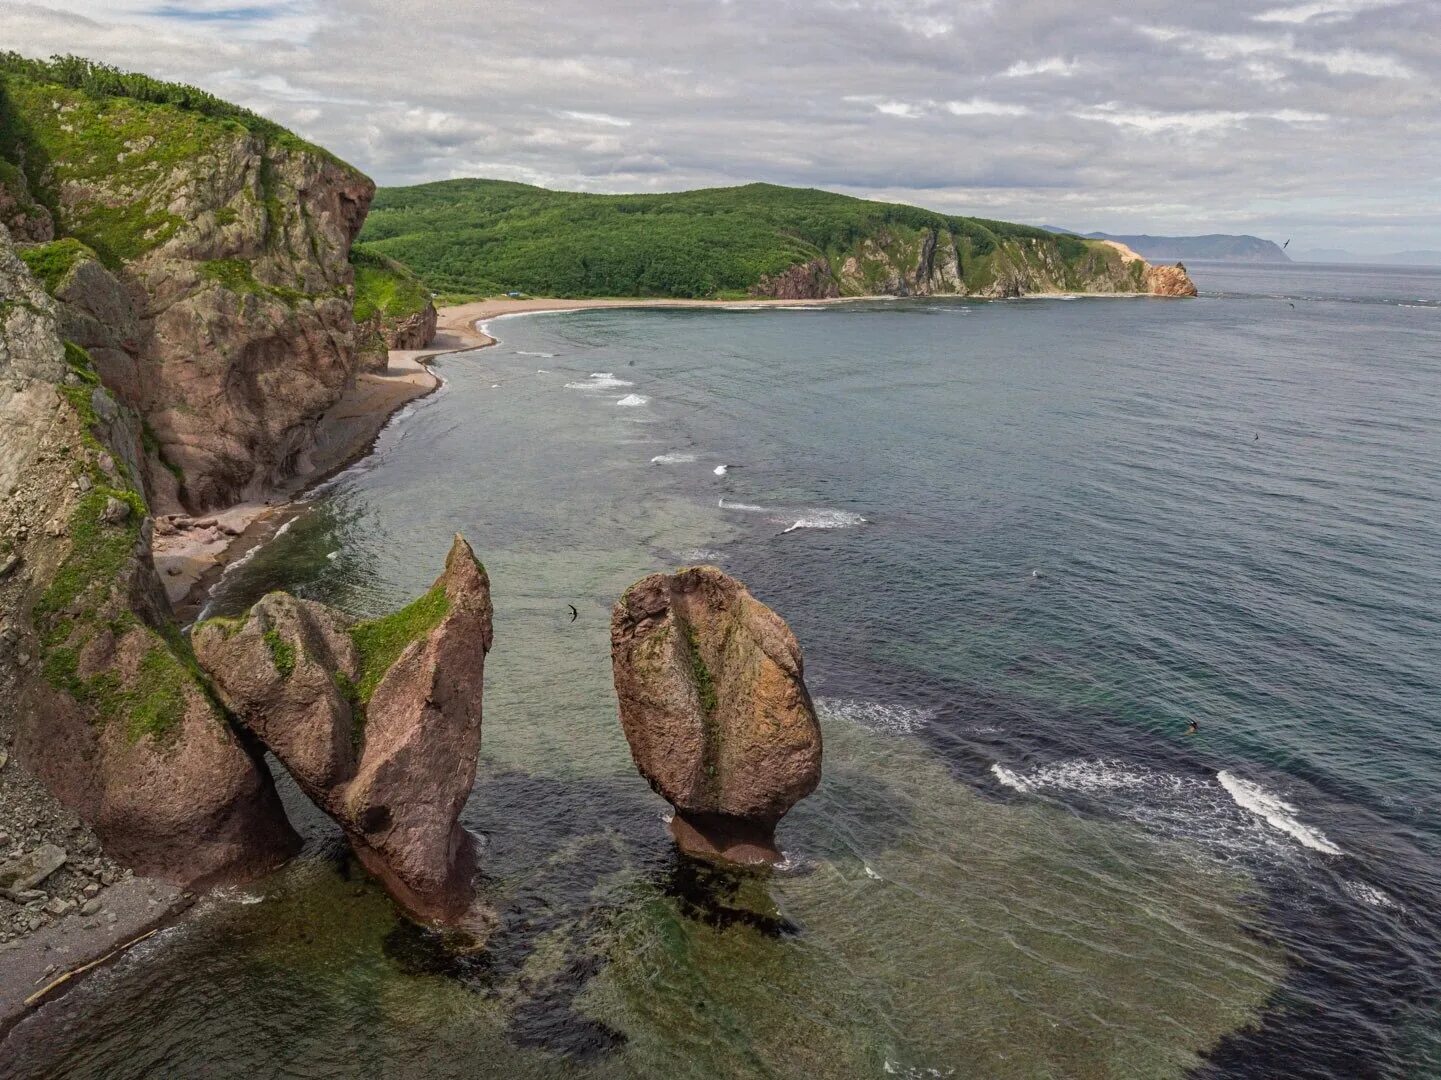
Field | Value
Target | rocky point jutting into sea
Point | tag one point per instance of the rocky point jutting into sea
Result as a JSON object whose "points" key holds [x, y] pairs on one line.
{"points": [[187, 323]]}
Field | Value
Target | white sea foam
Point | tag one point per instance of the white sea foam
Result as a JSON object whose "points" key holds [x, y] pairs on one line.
{"points": [[749, 508], [1010, 779], [633, 400], [1225, 818], [825, 519], [599, 380], [915, 1072], [878, 716], [699, 555], [1367, 894], [672, 459], [1275, 811]]}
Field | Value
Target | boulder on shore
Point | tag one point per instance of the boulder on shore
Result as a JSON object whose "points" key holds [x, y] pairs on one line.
{"points": [[714, 705], [378, 721]]}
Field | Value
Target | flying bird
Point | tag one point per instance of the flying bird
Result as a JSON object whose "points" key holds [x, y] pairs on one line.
{"points": [[1285, 245], [573, 613]]}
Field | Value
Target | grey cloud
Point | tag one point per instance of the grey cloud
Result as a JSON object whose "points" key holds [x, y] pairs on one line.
{"points": [[1314, 115]]}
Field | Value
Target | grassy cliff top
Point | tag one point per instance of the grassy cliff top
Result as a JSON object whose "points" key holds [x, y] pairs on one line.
{"points": [[122, 138], [97, 80], [482, 237]]}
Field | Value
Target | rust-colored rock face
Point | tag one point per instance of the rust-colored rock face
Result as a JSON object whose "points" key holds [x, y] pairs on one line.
{"points": [[393, 770], [804, 281], [715, 707], [1169, 281]]}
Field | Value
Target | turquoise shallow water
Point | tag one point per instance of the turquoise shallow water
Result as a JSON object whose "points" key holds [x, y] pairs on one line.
{"points": [[1023, 544]]}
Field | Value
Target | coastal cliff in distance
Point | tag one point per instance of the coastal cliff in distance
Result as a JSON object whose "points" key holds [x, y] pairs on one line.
{"points": [[471, 238], [201, 254], [1220, 246]]}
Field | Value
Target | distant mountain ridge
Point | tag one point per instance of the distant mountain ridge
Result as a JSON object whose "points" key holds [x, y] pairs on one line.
{"points": [[1232, 248]]}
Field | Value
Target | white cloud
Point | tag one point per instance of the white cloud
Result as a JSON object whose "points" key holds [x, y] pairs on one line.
{"points": [[1345, 61], [1189, 123], [1321, 10], [1054, 65], [984, 107], [905, 109], [594, 118]]}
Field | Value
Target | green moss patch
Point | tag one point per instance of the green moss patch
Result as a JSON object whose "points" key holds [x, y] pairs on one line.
{"points": [[51, 263], [704, 684], [238, 276], [381, 641], [154, 704], [282, 653]]}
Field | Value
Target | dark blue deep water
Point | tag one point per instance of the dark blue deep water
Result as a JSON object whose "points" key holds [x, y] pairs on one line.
{"points": [[1023, 544]]}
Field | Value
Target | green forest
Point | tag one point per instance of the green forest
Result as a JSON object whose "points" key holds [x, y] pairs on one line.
{"points": [[469, 238]]}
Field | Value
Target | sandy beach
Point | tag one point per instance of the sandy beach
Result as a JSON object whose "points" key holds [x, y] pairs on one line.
{"points": [[191, 553], [456, 327]]}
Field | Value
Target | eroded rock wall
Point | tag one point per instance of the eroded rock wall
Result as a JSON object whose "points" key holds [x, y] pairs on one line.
{"points": [[97, 690]]}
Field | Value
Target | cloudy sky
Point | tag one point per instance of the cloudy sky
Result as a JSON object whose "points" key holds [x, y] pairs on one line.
{"points": [[1318, 120]]}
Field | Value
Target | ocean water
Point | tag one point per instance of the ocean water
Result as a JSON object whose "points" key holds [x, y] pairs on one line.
{"points": [[1024, 545]]}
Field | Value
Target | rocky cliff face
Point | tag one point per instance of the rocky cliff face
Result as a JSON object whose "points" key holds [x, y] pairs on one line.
{"points": [[941, 261], [1169, 281], [211, 278], [715, 708], [378, 722], [96, 689]]}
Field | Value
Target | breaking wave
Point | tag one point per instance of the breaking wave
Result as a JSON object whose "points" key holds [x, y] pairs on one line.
{"points": [[672, 459], [749, 508], [1275, 811], [599, 380], [825, 519], [1227, 817], [632, 400], [877, 716]]}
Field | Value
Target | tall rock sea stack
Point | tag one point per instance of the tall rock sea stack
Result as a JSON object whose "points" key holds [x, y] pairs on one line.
{"points": [[714, 705], [97, 689], [379, 721]]}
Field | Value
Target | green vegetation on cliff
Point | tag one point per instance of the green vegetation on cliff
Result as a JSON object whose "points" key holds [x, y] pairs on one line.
{"points": [[84, 610], [482, 237], [52, 262], [381, 641], [385, 287]]}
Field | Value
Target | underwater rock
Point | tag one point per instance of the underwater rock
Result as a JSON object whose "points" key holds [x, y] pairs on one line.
{"points": [[715, 708], [378, 721]]}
